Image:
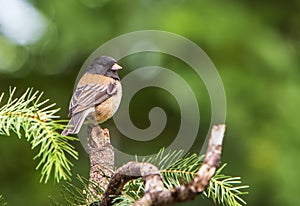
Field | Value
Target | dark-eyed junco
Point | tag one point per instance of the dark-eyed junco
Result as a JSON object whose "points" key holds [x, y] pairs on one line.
{"points": [[98, 93]]}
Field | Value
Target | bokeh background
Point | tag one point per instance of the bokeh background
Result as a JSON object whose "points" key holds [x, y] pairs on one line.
{"points": [[254, 44]]}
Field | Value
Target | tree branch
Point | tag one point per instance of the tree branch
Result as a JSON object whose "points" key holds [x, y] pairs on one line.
{"points": [[129, 171], [155, 193], [161, 196], [101, 157]]}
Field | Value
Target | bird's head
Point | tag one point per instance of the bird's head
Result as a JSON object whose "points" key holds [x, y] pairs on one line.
{"points": [[105, 65]]}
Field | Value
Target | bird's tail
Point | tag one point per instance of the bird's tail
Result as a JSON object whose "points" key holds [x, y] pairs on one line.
{"points": [[75, 124]]}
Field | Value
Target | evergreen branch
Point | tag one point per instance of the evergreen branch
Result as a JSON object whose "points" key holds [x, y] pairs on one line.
{"points": [[182, 171], [222, 189], [228, 190], [142, 183], [32, 118], [134, 189]]}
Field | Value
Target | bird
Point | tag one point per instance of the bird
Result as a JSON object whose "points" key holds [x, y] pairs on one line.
{"points": [[97, 95]]}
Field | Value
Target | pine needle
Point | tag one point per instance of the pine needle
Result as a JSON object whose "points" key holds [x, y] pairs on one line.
{"points": [[222, 189], [31, 117]]}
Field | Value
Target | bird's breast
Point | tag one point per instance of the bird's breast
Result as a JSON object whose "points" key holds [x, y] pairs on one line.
{"points": [[107, 109]]}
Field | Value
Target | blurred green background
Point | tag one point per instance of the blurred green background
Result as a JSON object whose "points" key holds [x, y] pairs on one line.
{"points": [[254, 44]]}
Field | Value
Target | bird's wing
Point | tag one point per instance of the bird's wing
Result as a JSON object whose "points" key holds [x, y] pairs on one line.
{"points": [[89, 96]]}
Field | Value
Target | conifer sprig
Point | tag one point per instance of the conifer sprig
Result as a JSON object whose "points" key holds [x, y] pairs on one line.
{"points": [[37, 121], [226, 190], [223, 189]]}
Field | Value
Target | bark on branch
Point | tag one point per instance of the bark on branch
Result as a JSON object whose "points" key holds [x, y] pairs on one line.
{"points": [[155, 193], [101, 156], [161, 196], [130, 171]]}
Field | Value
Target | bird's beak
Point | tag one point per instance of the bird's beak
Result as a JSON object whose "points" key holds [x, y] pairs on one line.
{"points": [[116, 67]]}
